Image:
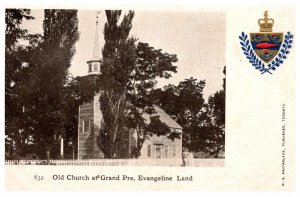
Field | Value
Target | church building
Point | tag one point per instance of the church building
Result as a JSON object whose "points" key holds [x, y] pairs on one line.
{"points": [[90, 118]]}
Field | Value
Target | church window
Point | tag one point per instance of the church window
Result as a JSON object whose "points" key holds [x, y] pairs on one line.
{"points": [[170, 149], [149, 151], [166, 151], [174, 151], [86, 126]]}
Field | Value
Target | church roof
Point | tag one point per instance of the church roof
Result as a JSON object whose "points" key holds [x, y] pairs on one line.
{"points": [[164, 117]]}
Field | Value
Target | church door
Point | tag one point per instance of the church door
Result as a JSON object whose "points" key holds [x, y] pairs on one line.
{"points": [[158, 149]]}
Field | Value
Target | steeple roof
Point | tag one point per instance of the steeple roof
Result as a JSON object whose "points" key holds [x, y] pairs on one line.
{"points": [[96, 51], [94, 64]]}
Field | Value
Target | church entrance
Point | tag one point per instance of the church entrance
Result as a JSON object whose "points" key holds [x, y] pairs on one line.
{"points": [[158, 150]]}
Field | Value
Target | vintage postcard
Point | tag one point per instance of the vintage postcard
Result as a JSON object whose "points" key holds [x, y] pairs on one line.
{"points": [[156, 98]]}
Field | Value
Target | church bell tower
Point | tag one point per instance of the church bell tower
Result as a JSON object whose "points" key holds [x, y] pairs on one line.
{"points": [[89, 114], [94, 63]]}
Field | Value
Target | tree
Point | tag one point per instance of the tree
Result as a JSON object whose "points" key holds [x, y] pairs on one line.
{"points": [[46, 95], [203, 122], [129, 74], [118, 58], [60, 35], [184, 103], [150, 64], [16, 56], [13, 31], [216, 138]]}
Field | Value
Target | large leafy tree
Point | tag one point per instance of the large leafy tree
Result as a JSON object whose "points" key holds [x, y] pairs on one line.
{"points": [[150, 65], [184, 103], [129, 73], [215, 141], [51, 97], [16, 56], [45, 95], [118, 59], [203, 122]]}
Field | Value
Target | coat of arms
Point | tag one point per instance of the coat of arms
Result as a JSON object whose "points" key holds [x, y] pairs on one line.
{"points": [[266, 50]]}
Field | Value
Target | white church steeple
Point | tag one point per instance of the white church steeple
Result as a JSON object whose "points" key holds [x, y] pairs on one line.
{"points": [[95, 62]]}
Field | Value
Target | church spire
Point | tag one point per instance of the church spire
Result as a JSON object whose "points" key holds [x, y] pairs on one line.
{"points": [[96, 51], [94, 63]]}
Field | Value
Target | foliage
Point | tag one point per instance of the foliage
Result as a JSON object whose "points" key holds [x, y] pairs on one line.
{"points": [[184, 103], [45, 102], [157, 127], [209, 136], [216, 137], [203, 122], [13, 31], [117, 61], [50, 95], [150, 64], [129, 73], [15, 74]]}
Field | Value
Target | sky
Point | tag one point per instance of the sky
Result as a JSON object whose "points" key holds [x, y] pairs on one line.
{"points": [[196, 37]]}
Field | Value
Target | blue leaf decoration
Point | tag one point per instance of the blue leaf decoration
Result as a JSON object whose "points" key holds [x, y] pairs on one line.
{"points": [[248, 48]]}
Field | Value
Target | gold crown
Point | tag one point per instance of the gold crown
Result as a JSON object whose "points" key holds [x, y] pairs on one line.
{"points": [[266, 23]]}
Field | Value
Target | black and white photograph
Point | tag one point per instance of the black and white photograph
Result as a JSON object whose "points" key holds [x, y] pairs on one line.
{"points": [[115, 87]]}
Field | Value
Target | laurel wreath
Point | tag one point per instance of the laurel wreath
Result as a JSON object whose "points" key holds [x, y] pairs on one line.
{"points": [[257, 63]]}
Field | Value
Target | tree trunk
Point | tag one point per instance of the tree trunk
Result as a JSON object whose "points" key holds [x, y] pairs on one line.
{"points": [[18, 151]]}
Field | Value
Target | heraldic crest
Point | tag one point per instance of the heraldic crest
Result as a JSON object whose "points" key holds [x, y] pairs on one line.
{"points": [[266, 50]]}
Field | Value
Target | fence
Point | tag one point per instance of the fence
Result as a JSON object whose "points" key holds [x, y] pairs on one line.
{"points": [[196, 162], [208, 162]]}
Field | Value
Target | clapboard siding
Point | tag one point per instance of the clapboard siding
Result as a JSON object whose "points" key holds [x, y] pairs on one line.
{"points": [[85, 140], [96, 127]]}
